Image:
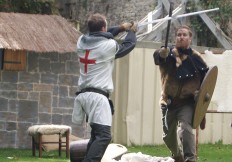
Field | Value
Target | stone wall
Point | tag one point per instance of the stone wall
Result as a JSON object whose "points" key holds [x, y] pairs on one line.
{"points": [[42, 94], [116, 11]]}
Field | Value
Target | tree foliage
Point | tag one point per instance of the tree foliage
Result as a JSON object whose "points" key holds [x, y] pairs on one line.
{"points": [[222, 17], [27, 6]]}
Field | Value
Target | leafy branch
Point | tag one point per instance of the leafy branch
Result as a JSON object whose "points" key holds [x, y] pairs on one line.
{"points": [[222, 17]]}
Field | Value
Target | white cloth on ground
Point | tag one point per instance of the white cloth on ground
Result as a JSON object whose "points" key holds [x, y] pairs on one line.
{"points": [[139, 157]]}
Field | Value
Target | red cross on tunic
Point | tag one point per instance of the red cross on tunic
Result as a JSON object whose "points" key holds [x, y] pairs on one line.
{"points": [[87, 61]]}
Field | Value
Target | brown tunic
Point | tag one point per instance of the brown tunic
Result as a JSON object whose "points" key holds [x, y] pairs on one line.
{"points": [[181, 76]]}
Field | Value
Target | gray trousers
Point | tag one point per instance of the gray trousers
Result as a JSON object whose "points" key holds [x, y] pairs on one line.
{"points": [[180, 117]]}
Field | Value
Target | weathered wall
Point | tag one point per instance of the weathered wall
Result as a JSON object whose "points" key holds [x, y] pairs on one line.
{"points": [[43, 94], [117, 11]]}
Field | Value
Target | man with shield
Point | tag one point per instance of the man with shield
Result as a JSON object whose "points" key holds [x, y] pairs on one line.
{"points": [[182, 72]]}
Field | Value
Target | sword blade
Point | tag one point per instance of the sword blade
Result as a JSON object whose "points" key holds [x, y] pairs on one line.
{"points": [[196, 13], [178, 16], [169, 24]]}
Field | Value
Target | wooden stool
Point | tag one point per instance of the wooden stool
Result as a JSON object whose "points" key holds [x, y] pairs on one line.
{"points": [[37, 131]]}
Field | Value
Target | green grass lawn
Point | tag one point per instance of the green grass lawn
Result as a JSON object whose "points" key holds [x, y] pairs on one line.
{"points": [[206, 153], [25, 155]]}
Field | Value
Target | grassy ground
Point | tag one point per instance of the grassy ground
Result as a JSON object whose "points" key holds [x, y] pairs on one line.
{"points": [[206, 153], [25, 155]]}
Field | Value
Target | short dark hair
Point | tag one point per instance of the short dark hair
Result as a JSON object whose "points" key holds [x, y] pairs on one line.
{"points": [[185, 27], [96, 22]]}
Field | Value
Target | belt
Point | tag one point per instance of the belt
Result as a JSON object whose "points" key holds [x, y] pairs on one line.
{"points": [[91, 89]]}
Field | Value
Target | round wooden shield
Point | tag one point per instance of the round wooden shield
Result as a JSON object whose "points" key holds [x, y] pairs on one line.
{"points": [[205, 95]]}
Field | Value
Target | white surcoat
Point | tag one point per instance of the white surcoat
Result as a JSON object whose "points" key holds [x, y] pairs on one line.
{"points": [[96, 59]]}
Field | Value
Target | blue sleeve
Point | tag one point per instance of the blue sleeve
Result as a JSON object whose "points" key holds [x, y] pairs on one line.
{"points": [[127, 45], [115, 30]]}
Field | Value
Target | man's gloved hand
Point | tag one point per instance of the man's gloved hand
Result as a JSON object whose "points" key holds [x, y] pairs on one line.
{"points": [[164, 52], [134, 26], [126, 26]]}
